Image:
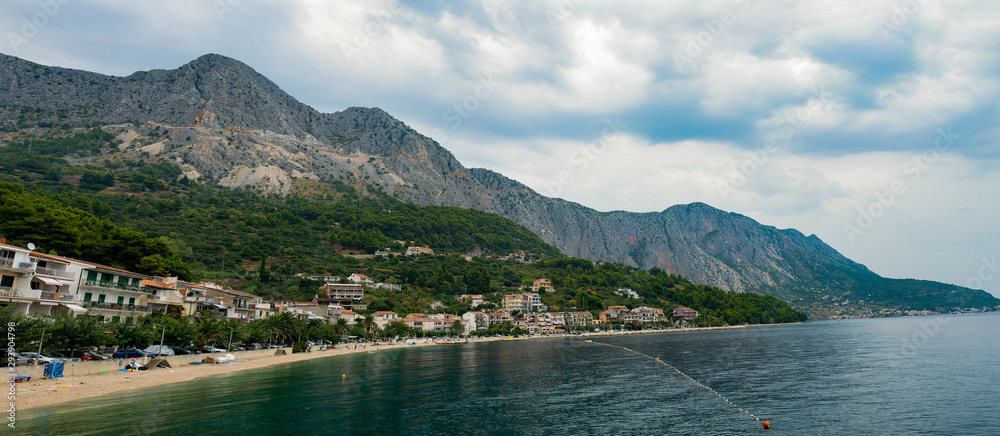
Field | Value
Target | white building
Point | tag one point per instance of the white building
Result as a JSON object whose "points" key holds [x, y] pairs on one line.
{"points": [[360, 278], [627, 293], [412, 251], [383, 318]]}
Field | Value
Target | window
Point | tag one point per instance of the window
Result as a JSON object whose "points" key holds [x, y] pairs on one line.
{"points": [[87, 296], [7, 281], [131, 301], [91, 276], [100, 298], [121, 300]]}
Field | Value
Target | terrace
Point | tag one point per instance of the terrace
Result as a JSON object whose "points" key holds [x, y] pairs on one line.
{"points": [[113, 285], [114, 306]]}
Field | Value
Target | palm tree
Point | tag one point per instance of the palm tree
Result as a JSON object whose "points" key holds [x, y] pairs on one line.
{"points": [[340, 328], [368, 324], [208, 331], [284, 326]]}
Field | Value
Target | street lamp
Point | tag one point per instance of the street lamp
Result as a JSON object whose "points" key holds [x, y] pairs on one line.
{"points": [[163, 334]]}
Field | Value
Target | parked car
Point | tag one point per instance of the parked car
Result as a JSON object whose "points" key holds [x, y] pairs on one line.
{"points": [[90, 355], [42, 358], [159, 350], [211, 349], [18, 359], [63, 356], [182, 351], [99, 356], [83, 355], [129, 352]]}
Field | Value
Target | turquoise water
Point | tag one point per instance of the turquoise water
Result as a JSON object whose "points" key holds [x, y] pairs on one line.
{"points": [[929, 375]]}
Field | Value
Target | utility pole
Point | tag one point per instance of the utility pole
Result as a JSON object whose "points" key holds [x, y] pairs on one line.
{"points": [[40, 340], [163, 334]]}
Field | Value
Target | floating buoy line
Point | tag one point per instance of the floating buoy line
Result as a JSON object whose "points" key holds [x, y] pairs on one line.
{"points": [[766, 424]]}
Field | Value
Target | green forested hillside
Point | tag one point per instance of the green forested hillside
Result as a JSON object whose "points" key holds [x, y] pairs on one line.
{"points": [[29, 217], [139, 216]]}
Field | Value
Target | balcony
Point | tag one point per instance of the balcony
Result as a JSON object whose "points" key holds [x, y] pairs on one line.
{"points": [[7, 262], [113, 285], [7, 291], [114, 306], [51, 295], [164, 300], [54, 272], [209, 300]]}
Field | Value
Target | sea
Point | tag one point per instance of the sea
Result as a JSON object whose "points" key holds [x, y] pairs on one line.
{"points": [[909, 375]]}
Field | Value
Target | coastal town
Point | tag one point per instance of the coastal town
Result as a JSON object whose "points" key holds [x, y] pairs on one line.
{"points": [[43, 285]]}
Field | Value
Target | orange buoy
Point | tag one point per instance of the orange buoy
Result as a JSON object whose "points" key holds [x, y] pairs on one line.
{"points": [[767, 425]]}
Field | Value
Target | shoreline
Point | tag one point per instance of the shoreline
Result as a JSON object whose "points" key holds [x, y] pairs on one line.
{"points": [[49, 392]]}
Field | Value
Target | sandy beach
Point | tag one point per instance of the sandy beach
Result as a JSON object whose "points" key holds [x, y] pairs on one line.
{"points": [[46, 392]]}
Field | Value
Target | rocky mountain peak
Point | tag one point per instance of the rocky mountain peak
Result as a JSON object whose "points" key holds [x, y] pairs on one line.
{"points": [[220, 120]]}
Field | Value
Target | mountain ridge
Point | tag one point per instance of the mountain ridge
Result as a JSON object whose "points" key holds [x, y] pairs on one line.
{"points": [[230, 125]]}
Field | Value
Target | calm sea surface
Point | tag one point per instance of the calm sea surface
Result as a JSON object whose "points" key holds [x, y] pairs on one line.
{"points": [[918, 375]]}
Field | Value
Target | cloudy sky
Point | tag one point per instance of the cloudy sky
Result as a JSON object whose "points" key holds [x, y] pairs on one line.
{"points": [[872, 124]]}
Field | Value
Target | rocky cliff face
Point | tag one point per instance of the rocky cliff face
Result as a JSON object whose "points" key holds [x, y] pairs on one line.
{"points": [[222, 121]]}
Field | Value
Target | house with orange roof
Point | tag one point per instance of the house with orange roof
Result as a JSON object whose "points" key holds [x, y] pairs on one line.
{"points": [[497, 318], [475, 320], [648, 314], [542, 285], [413, 251], [382, 318], [474, 300], [350, 316], [163, 293], [17, 271], [684, 313], [360, 278]]}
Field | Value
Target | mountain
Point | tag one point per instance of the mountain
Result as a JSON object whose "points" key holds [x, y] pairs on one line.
{"points": [[222, 122]]}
